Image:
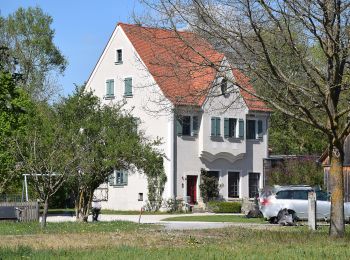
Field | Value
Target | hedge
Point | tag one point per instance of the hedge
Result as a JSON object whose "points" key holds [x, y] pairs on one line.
{"points": [[224, 207]]}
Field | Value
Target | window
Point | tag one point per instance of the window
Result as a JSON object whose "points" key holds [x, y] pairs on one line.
{"points": [[136, 121], [230, 125], [110, 88], [214, 174], [140, 197], [251, 129], [119, 56], [253, 184], [223, 86], [215, 126], [128, 87], [254, 129], [118, 178], [187, 125], [233, 184]]}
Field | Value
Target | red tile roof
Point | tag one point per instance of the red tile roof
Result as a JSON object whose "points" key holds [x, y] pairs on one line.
{"points": [[182, 64]]}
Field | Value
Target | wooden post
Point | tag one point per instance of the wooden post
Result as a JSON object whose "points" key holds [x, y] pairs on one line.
{"points": [[312, 211]]}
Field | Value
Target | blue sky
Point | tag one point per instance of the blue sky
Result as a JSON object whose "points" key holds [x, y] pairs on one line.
{"points": [[82, 29]]}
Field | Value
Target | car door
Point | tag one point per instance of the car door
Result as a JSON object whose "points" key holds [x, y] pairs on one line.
{"points": [[323, 207], [300, 203]]}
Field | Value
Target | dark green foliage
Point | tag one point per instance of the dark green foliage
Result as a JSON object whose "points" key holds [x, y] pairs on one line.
{"points": [[224, 207], [209, 186], [15, 110], [296, 171], [288, 136]]}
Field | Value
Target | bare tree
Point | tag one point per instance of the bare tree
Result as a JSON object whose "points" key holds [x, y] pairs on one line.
{"points": [[294, 51]]}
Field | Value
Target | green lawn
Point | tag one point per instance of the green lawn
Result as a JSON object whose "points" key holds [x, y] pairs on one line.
{"points": [[123, 240], [30, 228], [217, 218]]}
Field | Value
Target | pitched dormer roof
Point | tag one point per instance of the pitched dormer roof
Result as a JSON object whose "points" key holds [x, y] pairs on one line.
{"points": [[183, 65]]}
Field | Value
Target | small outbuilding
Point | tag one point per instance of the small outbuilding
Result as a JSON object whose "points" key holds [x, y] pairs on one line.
{"points": [[324, 160]]}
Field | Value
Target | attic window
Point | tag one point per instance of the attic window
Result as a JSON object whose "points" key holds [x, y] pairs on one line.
{"points": [[119, 56], [223, 86]]}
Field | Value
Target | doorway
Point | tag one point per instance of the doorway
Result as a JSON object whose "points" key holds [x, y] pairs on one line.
{"points": [[192, 189]]}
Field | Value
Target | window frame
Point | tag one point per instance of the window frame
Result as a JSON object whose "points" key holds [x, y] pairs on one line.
{"points": [[117, 60], [229, 131], [192, 130], [237, 173], [257, 185], [258, 129], [113, 178]]}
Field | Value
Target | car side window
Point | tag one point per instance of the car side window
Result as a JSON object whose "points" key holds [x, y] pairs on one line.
{"points": [[322, 195], [300, 194], [284, 195]]}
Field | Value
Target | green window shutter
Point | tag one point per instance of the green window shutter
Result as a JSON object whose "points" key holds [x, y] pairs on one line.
{"points": [[128, 87], [125, 178], [241, 128], [110, 87], [218, 130], [260, 129], [213, 126], [195, 125], [226, 127], [178, 126]]}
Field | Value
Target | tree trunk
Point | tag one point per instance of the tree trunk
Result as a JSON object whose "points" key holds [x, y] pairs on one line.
{"points": [[44, 215], [337, 227]]}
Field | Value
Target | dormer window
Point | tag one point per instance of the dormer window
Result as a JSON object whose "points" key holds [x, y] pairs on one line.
{"points": [[119, 56], [223, 86]]}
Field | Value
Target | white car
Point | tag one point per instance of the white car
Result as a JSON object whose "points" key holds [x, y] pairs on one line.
{"points": [[295, 200]]}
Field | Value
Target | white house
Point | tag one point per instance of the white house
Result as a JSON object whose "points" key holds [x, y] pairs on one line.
{"points": [[204, 120]]}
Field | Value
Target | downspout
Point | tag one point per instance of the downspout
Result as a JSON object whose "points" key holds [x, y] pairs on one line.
{"points": [[175, 157]]}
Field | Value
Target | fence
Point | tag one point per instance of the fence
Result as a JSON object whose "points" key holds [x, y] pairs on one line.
{"points": [[27, 211]]}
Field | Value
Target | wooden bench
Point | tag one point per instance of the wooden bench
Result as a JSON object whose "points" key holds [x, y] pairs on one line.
{"points": [[8, 213]]}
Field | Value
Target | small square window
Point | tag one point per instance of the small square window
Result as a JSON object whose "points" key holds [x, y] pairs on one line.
{"points": [[140, 198]]}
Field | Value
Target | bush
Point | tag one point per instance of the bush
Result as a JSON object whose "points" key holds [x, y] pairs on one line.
{"points": [[224, 207]]}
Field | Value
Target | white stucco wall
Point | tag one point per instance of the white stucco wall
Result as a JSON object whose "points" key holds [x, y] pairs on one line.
{"points": [[220, 153], [152, 124]]}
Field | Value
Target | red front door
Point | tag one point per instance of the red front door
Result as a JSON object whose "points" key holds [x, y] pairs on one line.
{"points": [[192, 188]]}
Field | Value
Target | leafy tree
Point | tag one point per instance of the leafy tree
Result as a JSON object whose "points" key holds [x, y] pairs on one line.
{"points": [[46, 152], [287, 136], [15, 109], [209, 186], [311, 90], [107, 139], [296, 171], [29, 36]]}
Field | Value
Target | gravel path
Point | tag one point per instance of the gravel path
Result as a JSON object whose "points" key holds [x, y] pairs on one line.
{"points": [[168, 225]]}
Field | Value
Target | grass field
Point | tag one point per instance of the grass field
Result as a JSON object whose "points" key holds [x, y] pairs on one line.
{"points": [[123, 240], [217, 218]]}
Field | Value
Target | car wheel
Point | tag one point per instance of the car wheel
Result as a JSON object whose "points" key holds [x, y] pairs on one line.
{"points": [[273, 220]]}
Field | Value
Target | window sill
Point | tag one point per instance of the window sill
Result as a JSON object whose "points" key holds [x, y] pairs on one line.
{"points": [[216, 138], [118, 62], [128, 96], [119, 186], [188, 137], [108, 97]]}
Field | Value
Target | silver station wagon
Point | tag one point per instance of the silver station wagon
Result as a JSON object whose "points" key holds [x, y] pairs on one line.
{"points": [[295, 200]]}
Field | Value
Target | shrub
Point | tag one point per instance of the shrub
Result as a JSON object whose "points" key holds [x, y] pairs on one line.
{"points": [[209, 186], [224, 207]]}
